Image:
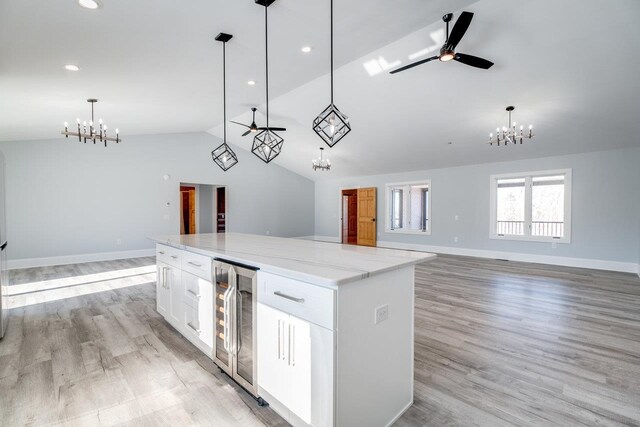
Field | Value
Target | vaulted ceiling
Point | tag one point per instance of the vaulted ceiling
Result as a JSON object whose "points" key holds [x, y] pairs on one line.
{"points": [[569, 68]]}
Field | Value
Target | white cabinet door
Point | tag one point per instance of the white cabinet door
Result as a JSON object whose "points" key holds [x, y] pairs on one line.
{"points": [[176, 305], [198, 306], [310, 362], [273, 371], [162, 292]]}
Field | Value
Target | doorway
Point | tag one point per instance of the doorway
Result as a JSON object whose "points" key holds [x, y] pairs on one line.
{"points": [[203, 208], [350, 217], [221, 212], [187, 210], [358, 212]]}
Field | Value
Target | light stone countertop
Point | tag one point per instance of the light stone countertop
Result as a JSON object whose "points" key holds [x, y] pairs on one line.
{"points": [[320, 263]]}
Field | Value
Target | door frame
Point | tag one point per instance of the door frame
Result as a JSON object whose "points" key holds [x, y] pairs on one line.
{"points": [[196, 183], [340, 190]]}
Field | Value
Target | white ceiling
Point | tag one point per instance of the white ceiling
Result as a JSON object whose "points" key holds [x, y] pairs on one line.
{"points": [[569, 67]]}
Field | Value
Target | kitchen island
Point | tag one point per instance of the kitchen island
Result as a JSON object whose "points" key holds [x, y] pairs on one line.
{"points": [[323, 332]]}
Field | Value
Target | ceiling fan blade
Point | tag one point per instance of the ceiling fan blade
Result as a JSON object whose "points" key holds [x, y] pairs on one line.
{"points": [[247, 133], [474, 61], [459, 29], [415, 64], [241, 124], [273, 129]]}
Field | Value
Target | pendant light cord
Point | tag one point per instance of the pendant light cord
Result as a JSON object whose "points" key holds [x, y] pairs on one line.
{"points": [[331, 52], [224, 88], [266, 50]]}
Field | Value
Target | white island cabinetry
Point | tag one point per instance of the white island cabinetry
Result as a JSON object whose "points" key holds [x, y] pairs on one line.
{"points": [[333, 323]]}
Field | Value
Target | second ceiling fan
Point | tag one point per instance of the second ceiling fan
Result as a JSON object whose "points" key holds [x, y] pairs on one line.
{"points": [[447, 51], [253, 127]]}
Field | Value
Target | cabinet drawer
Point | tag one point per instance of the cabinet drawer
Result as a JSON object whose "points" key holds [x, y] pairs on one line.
{"points": [[168, 255], [199, 265], [300, 299]]}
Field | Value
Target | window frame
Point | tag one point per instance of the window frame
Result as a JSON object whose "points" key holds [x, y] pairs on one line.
{"points": [[528, 176], [406, 210]]}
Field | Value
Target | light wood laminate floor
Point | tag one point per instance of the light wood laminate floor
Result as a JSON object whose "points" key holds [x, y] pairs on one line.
{"points": [[497, 343]]}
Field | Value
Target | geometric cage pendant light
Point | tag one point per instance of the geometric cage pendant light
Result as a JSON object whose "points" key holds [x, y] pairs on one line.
{"points": [[224, 156], [509, 134], [267, 144], [331, 125]]}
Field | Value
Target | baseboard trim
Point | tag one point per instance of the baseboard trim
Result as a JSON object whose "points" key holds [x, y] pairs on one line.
{"points": [[596, 264], [77, 259], [321, 238]]}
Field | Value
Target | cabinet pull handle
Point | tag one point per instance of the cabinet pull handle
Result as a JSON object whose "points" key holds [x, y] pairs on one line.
{"points": [[193, 293], [289, 349], [174, 256], [292, 344], [197, 331], [279, 348], [195, 264], [161, 252], [164, 277], [289, 297]]}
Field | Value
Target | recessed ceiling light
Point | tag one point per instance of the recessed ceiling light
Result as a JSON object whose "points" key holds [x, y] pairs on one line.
{"points": [[251, 82], [71, 67], [90, 4], [306, 49]]}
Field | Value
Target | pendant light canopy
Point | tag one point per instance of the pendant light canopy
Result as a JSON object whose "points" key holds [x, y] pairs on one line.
{"points": [[267, 144], [224, 156], [331, 125]]}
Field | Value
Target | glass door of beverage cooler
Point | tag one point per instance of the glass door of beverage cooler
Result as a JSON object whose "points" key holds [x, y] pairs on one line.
{"points": [[224, 277], [244, 360]]}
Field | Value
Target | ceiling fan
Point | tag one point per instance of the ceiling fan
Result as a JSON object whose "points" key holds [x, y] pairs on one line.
{"points": [[253, 128], [447, 51]]}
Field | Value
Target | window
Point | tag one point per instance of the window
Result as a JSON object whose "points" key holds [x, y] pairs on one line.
{"points": [[532, 206], [409, 207]]}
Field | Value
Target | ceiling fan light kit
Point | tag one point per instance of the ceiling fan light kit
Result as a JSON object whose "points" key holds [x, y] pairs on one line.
{"points": [[331, 125], [223, 155], [448, 50], [91, 133], [510, 134], [267, 144]]}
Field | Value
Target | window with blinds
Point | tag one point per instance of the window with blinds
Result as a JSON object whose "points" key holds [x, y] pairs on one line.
{"points": [[409, 207]]}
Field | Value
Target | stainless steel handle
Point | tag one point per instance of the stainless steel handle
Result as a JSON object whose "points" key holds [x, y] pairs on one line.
{"points": [[232, 304], [289, 297], [174, 256], [197, 331], [279, 347], [239, 320], [164, 277], [289, 346], [227, 328], [195, 264], [193, 293], [292, 345]]}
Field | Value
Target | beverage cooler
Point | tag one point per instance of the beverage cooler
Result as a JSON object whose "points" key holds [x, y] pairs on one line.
{"points": [[235, 301]]}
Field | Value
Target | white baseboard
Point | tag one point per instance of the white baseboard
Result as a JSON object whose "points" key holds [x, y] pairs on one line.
{"points": [[77, 259], [321, 238], [596, 264]]}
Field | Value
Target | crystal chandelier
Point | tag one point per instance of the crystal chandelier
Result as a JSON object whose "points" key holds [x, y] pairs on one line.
{"points": [[331, 125], [91, 133], [510, 134], [321, 163], [224, 156], [267, 144]]}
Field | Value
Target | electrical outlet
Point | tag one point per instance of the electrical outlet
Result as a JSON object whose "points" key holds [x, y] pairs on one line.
{"points": [[455, 239], [118, 242], [381, 314]]}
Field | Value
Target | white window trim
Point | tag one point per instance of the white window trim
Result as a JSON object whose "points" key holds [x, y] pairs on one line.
{"points": [[405, 201], [567, 205]]}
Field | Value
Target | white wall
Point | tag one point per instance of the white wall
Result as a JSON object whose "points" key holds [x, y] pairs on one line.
{"points": [[605, 204], [68, 198]]}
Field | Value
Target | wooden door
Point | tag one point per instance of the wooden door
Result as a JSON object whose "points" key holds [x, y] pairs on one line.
{"points": [[187, 210], [367, 216]]}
